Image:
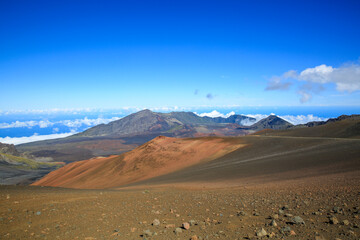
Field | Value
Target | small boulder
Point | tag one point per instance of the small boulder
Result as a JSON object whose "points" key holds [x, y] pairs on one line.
{"points": [[192, 222], [298, 220], [273, 223], [147, 233], [156, 222], [345, 222], [186, 225], [333, 220], [177, 230], [261, 232]]}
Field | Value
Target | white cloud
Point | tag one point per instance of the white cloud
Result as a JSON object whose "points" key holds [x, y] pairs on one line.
{"points": [[258, 117], [294, 119], [215, 113], [33, 138], [69, 123], [346, 79], [302, 119], [18, 124], [86, 121], [45, 124], [319, 74]]}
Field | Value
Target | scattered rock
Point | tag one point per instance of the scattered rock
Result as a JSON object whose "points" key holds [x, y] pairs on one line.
{"points": [[192, 222], [242, 213], [38, 213], [261, 233], [345, 222], [156, 222], [286, 207], [273, 223], [147, 233], [178, 230], [286, 229], [194, 237], [186, 225], [298, 220], [333, 220]]}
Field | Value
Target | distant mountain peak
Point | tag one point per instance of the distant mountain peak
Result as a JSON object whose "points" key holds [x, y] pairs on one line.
{"points": [[271, 122]]}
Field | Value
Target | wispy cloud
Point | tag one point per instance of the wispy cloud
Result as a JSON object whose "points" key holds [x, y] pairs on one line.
{"points": [[277, 82], [346, 79], [33, 138], [209, 96]]}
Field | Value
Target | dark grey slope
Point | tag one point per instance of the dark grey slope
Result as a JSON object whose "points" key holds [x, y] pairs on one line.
{"points": [[190, 118], [341, 127], [238, 119], [266, 159], [271, 122], [136, 123]]}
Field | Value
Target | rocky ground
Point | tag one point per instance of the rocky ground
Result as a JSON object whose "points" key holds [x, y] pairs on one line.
{"points": [[315, 208]]}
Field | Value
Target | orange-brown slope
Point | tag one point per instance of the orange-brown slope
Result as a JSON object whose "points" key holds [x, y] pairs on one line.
{"points": [[159, 156]]}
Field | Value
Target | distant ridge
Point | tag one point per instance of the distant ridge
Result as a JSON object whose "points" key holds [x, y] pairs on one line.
{"points": [[344, 126], [354, 117], [271, 122], [146, 122], [133, 130]]}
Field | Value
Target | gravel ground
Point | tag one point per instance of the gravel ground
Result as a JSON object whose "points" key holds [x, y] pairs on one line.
{"points": [[326, 207]]}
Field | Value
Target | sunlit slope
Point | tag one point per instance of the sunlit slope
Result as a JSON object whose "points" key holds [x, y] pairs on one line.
{"points": [[160, 156], [270, 158]]}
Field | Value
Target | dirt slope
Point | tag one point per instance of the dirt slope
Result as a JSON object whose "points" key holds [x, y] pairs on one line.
{"points": [[160, 156], [269, 159], [341, 127]]}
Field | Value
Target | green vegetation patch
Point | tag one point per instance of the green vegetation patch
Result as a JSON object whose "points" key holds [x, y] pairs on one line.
{"points": [[28, 163]]}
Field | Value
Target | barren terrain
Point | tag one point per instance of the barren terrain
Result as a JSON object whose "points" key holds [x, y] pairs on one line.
{"points": [[252, 187], [325, 207]]}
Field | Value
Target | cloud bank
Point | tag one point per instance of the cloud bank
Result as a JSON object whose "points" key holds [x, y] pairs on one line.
{"points": [[69, 123], [215, 114], [33, 138], [346, 79], [294, 119]]}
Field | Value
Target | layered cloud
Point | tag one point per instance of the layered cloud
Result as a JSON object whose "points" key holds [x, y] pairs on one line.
{"points": [[215, 113], [294, 119], [33, 138], [69, 123], [346, 79]]}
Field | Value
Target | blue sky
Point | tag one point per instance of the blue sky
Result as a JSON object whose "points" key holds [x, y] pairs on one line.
{"points": [[114, 54]]}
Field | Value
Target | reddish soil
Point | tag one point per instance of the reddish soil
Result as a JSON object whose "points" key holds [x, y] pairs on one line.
{"points": [[224, 213], [160, 156]]}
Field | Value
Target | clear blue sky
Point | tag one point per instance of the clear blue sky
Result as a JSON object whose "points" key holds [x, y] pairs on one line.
{"points": [[108, 54]]}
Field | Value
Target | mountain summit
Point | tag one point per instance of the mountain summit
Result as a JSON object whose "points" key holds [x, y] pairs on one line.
{"points": [[174, 123], [271, 122]]}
